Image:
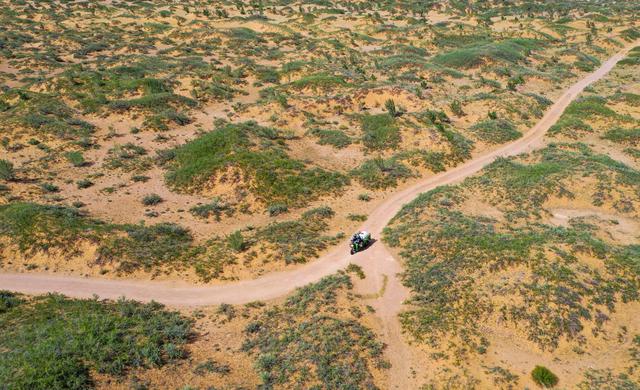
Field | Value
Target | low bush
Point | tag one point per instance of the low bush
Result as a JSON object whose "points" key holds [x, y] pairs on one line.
{"points": [[511, 51], [146, 247], [495, 131], [151, 200], [379, 132], [335, 138], [76, 159], [260, 153], [544, 377], [84, 183], [44, 114], [380, 173], [7, 172], [300, 240], [48, 187], [310, 341], [54, 342], [319, 81], [129, 157], [236, 241], [35, 227], [277, 209], [626, 136], [217, 208]]}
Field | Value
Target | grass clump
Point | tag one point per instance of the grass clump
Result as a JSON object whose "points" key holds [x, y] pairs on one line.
{"points": [[151, 200], [311, 334], [44, 114], [299, 240], [570, 126], [495, 131], [9, 300], [53, 342], [335, 138], [511, 50], [544, 377], [217, 208], [76, 159], [146, 247], [210, 366], [379, 132], [49, 187], [35, 227], [236, 241], [320, 81], [84, 183], [590, 107], [277, 209], [128, 157], [625, 136], [380, 173], [7, 171], [259, 152], [449, 252]]}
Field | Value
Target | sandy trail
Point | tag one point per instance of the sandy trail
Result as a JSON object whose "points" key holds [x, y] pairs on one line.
{"points": [[376, 262]]}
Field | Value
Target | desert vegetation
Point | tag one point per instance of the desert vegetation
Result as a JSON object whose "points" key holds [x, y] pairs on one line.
{"points": [[56, 342], [543, 246], [210, 142], [222, 117]]}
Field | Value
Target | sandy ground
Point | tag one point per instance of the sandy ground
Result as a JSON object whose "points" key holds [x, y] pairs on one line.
{"points": [[378, 262]]}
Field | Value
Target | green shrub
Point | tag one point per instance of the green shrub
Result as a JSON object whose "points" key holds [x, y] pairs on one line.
{"points": [[379, 173], [9, 300], [390, 106], [48, 187], [236, 241], [55, 342], [44, 113], [151, 200], [7, 172], [456, 108], [277, 209], [379, 132], [364, 197], [319, 81], [216, 208], [588, 107], [128, 157], [147, 247], [357, 217], [140, 178], [570, 126], [544, 377], [210, 366], [355, 269], [84, 183], [310, 341], [511, 51], [76, 159], [299, 240], [631, 136], [36, 227], [335, 138], [258, 151], [495, 131]]}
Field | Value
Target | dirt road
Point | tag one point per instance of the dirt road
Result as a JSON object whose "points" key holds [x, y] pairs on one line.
{"points": [[377, 262]]}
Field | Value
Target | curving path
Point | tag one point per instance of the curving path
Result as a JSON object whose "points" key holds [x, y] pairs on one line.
{"points": [[378, 263]]}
